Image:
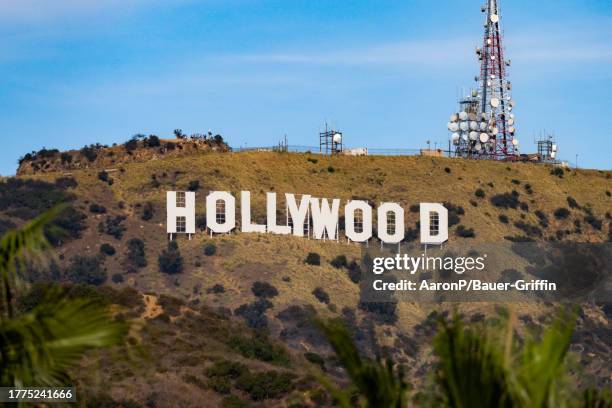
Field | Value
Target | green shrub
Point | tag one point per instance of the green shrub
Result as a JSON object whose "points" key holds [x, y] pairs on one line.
{"points": [[194, 185], [97, 209], [506, 200], [135, 256], [107, 249], [480, 193], [313, 259], [260, 347], [232, 401], [220, 384], [557, 171], [312, 160], [269, 384], [561, 213], [170, 260], [330, 169], [103, 175], [89, 152], [321, 295], [117, 278], [315, 358], [227, 369], [86, 269], [264, 290], [464, 232], [572, 202], [210, 249], [147, 211], [113, 226], [339, 262]]}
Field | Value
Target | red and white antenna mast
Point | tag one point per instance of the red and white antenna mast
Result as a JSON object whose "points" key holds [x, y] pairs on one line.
{"points": [[495, 89], [484, 126]]}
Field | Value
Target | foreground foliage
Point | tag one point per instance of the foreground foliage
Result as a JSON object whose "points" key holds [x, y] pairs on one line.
{"points": [[38, 346], [475, 368]]}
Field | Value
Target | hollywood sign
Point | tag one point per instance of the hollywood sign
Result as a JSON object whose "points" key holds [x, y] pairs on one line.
{"points": [[319, 213]]}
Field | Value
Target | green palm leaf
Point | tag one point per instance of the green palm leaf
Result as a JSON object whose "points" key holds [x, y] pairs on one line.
{"points": [[37, 348]]}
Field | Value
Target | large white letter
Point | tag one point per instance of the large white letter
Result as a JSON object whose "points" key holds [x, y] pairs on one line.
{"points": [[398, 234], [324, 218], [211, 211], [245, 211], [271, 207], [442, 214], [349, 220], [187, 210], [298, 215]]}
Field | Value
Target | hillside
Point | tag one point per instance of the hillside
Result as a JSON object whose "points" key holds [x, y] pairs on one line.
{"points": [[499, 201]]}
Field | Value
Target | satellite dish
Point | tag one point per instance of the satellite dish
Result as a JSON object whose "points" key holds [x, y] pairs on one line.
{"points": [[512, 116], [474, 125], [464, 136], [515, 142], [463, 115], [494, 18], [493, 57], [510, 122], [453, 127], [494, 131], [454, 117], [337, 138], [511, 129], [471, 116], [478, 146], [464, 126], [473, 135], [489, 41], [484, 138], [553, 154], [511, 102], [554, 148], [455, 137], [474, 93], [494, 102], [484, 116], [489, 83], [483, 126]]}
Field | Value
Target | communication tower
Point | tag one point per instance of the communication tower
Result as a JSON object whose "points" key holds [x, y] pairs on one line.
{"points": [[484, 126], [330, 141]]}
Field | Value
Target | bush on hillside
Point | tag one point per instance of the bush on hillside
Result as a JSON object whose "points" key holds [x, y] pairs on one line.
{"points": [[97, 209], [210, 249], [480, 193], [113, 226], [107, 249], [339, 262], [557, 171], [170, 260], [506, 200], [321, 295], [86, 269], [561, 213], [313, 259], [147, 211], [464, 232], [135, 256], [254, 313], [263, 290]]}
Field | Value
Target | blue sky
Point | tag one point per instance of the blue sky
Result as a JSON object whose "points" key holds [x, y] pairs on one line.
{"points": [[387, 73]]}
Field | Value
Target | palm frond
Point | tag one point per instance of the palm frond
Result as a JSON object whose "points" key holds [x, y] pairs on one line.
{"points": [[470, 369], [378, 383], [16, 248], [541, 365], [38, 347]]}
